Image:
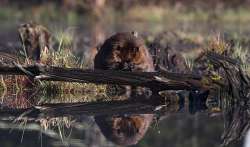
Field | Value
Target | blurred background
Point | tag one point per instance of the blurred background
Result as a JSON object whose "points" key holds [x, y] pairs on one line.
{"points": [[183, 25]]}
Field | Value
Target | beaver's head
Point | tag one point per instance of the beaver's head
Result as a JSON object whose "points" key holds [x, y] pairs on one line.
{"points": [[122, 51], [129, 50]]}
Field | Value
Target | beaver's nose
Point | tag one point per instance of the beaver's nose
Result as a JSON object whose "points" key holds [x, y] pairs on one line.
{"points": [[127, 66]]}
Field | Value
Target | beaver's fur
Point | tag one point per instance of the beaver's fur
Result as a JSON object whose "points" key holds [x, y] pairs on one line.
{"points": [[124, 51]]}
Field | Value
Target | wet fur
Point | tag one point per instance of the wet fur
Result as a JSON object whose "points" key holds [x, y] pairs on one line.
{"points": [[124, 51]]}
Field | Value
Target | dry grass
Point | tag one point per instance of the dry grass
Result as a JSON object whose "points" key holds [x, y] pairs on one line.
{"points": [[66, 91], [218, 44], [15, 95]]}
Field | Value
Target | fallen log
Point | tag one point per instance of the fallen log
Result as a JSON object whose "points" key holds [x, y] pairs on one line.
{"points": [[156, 81], [134, 106]]}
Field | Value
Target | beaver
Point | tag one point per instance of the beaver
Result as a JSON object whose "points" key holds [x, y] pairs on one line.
{"points": [[35, 39], [124, 51]]}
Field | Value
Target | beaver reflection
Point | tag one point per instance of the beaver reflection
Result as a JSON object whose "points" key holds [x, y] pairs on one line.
{"points": [[124, 130], [124, 51]]}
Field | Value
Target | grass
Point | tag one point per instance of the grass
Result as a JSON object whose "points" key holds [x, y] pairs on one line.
{"points": [[66, 91], [189, 61], [64, 38], [240, 53], [218, 44], [2, 86], [11, 87], [57, 92]]}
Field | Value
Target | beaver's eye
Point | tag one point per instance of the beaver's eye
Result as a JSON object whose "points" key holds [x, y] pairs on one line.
{"points": [[119, 131], [118, 48], [136, 49]]}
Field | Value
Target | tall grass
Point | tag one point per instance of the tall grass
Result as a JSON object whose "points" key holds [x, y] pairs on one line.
{"points": [[68, 91]]}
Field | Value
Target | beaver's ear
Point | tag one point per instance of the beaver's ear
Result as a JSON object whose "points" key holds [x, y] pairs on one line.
{"points": [[135, 34]]}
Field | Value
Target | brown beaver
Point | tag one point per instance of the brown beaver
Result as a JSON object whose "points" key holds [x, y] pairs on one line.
{"points": [[124, 51], [35, 38]]}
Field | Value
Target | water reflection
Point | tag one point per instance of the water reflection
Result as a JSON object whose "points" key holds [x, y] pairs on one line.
{"points": [[124, 130], [247, 139], [123, 127]]}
